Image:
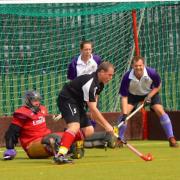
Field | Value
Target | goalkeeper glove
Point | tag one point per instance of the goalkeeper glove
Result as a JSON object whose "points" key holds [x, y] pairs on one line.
{"points": [[9, 154]]}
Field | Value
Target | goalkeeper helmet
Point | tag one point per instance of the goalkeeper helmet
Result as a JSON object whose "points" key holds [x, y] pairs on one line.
{"points": [[29, 98]]}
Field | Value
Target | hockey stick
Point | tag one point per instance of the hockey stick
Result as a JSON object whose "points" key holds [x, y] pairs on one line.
{"points": [[147, 157], [132, 114]]}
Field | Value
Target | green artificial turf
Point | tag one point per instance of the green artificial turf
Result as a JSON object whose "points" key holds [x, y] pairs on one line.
{"points": [[98, 164]]}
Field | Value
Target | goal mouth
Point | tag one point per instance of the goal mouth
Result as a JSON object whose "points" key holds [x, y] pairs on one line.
{"points": [[39, 40]]}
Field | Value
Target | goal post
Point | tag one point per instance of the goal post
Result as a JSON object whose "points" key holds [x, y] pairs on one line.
{"points": [[38, 41]]}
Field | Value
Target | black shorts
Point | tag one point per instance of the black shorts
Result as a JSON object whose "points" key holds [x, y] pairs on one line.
{"points": [[72, 111], [134, 99]]}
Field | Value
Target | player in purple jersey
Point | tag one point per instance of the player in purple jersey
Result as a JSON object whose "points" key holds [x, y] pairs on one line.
{"points": [[84, 63], [143, 83]]}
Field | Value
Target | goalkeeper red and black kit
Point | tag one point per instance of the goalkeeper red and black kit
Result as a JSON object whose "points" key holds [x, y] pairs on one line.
{"points": [[74, 95], [27, 126]]}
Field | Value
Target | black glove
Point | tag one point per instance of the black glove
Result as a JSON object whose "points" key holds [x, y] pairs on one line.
{"points": [[147, 100]]}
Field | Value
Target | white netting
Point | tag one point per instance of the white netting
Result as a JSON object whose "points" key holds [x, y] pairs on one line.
{"points": [[35, 53], [37, 42], [160, 44]]}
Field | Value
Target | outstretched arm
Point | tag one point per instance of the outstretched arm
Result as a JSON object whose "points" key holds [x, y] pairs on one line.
{"points": [[11, 136], [99, 117], [154, 91], [124, 104], [11, 139]]}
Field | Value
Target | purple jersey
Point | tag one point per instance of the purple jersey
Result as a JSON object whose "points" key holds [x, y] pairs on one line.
{"points": [[72, 68], [130, 84]]}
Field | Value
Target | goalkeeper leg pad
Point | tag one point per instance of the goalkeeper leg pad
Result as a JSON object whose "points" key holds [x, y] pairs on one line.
{"points": [[111, 140]]}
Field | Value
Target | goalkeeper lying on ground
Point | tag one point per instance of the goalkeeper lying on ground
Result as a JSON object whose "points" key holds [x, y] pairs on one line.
{"points": [[29, 126]]}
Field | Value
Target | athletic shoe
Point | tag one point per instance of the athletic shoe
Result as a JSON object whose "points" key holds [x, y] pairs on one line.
{"points": [[119, 143], [173, 142], [62, 159], [77, 150]]}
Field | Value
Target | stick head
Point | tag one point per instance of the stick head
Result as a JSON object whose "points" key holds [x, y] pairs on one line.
{"points": [[148, 157]]}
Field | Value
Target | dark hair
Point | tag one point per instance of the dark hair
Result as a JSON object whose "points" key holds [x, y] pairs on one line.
{"points": [[137, 58], [105, 65], [85, 42]]}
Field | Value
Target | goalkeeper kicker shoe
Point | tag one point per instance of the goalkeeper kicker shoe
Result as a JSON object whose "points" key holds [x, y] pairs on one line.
{"points": [[173, 142]]}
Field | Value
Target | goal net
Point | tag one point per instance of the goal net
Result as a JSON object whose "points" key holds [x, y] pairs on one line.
{"points": [[159, 39], [38, 41]]}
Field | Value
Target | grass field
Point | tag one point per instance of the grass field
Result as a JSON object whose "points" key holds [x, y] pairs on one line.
{"points": [[98, 164]]}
